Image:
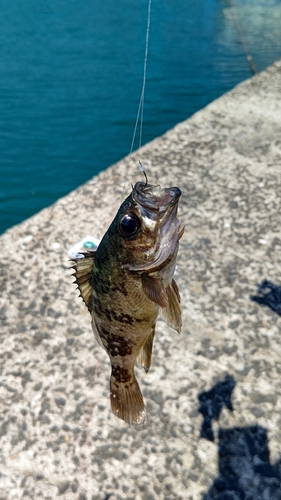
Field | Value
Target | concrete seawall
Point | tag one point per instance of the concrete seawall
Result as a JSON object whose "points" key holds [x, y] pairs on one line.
{"points": [[213, 394]]}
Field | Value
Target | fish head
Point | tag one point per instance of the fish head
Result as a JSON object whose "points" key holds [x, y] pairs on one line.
{"points": [[146, 227]]}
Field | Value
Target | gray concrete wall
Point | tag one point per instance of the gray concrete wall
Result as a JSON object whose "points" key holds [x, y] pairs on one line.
{"points": [[58, 436]]}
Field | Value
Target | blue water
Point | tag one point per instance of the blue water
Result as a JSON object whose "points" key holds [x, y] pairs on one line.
{"points": [[71, 76]]}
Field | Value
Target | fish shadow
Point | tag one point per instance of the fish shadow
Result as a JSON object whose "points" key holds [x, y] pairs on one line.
{"points": [[268, 295], [212, 402], [245, 471]]}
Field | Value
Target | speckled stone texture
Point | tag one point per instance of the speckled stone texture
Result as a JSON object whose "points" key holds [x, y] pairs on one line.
{"points": [[213, 394]]}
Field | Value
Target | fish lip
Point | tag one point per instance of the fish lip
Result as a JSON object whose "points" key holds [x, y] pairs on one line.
{"points": [[160, 206], [154, 198]]}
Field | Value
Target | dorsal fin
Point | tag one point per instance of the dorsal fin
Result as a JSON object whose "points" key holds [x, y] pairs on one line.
{"points": [[83, 270]]}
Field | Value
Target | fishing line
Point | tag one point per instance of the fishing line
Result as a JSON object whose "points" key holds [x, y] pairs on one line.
{"points": [[141, 103], [238, 23], [139, 118]]}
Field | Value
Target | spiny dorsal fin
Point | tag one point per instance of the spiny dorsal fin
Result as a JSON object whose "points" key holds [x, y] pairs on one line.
{"points": [[154, 289], [172, 313], [145, 355], [83, 270]]}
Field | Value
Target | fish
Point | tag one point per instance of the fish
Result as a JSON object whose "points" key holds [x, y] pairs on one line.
{"points": [[126, 282]]}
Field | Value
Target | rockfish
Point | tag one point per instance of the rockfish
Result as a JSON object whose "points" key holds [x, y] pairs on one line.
{"points": [[125, 283]]}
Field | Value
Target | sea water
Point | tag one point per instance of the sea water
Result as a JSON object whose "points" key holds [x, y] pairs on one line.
{"points": [[71, 77]]}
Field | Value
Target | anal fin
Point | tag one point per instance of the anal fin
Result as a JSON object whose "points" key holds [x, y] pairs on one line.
{"points": [[172, 313], [145, 355]]}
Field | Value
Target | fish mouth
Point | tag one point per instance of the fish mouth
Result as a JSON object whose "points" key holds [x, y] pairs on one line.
{"points": [[161, 206], [154, 198]]}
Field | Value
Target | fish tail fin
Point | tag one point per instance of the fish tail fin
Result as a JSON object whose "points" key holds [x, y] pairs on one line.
{"points": [[126, 398]]}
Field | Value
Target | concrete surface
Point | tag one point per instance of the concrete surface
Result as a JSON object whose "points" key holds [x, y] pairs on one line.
{"points": [[58, 436]]}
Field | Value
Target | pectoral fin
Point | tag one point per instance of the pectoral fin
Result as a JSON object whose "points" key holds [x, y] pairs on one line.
{"points": [[145, 355], [176, 290], [83, 269], [181, 231], [172, 313], [154, 289]]}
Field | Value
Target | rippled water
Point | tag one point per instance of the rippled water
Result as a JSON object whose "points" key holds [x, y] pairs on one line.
{"points": [[71, 76]]}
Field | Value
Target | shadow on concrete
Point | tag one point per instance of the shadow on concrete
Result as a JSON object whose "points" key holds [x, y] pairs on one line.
{"points": [[269, 295], [245, 471], [212, 403]]}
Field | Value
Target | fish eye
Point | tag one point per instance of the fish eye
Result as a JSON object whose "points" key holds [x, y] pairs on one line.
{"points": [[129, 225]]}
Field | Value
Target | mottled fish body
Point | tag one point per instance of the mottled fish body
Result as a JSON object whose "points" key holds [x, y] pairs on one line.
{"points": [[125, 283]]}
